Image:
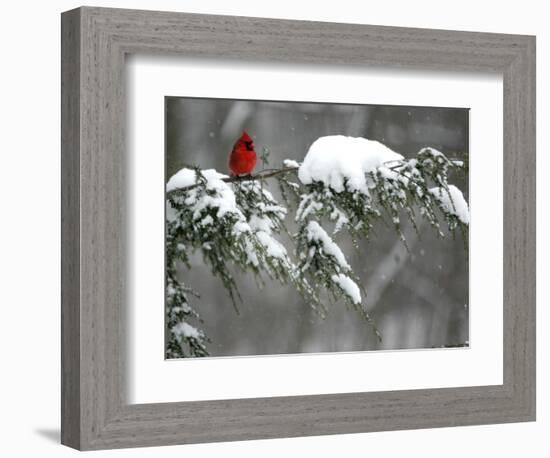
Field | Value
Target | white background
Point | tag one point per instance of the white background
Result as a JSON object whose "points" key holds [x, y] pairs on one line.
{"points": [[150, 79], [29, 231]]}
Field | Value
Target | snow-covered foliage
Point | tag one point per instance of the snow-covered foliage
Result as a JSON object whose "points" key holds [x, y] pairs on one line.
{"points": [[452, 202], [184, 339], [322, 260], [231, 225], [345, 163], [291, 163], [343, 183], [348, 286]]}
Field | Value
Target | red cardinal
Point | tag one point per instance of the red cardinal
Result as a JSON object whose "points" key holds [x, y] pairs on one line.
{"points": [[243, 157]]}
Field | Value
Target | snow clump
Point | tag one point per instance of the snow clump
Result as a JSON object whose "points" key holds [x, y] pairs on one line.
{"points": [[339, 162], [452, 201]]}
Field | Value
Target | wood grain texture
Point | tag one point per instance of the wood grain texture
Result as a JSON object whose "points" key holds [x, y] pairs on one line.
{"points": [[70, 229], [95, 412]]}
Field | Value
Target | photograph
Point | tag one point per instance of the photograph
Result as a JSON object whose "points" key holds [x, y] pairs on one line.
{"points": [[303, 227]]}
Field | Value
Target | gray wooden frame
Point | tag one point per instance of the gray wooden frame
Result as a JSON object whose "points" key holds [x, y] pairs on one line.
{"points": [[95, 413]]}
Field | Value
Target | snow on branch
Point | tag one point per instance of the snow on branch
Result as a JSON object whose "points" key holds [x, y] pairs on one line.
{"points": [[344, 163], [182, 184], [452, 202], [345, 183]]}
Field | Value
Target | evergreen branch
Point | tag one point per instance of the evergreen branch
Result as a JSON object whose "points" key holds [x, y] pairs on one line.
{"points": [[269, 173], [238, 227], [399, 164]]}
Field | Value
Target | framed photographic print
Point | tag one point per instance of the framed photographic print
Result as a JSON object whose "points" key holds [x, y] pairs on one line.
{"points": [[338, 218]]}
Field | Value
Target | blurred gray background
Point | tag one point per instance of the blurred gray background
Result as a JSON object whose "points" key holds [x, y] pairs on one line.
{"points": [[418, 299]]}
